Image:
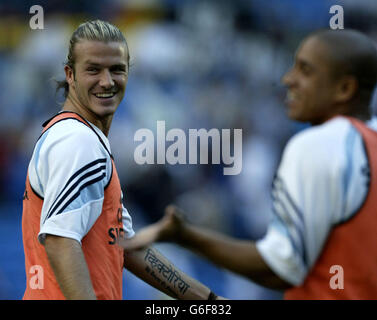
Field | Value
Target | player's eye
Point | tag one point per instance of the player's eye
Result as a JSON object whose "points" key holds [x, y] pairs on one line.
{"points": [[92, 69], [118, 69], [305, 69]]}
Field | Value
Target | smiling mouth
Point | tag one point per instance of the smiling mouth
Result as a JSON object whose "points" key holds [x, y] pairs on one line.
{"points": [[291, 96], [105, 95]]}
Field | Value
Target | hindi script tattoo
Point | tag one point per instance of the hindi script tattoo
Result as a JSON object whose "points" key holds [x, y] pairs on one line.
{"points": [[169, 274]]}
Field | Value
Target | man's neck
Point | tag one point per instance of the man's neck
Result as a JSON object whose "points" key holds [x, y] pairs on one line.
{"points": [[103, 124], [355, 110], [347, 111]]}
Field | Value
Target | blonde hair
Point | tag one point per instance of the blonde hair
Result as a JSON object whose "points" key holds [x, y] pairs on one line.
{"points": [[95, 30]]}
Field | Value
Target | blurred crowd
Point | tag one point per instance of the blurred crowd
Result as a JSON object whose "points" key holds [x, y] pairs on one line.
{"points": [[194, 64]]}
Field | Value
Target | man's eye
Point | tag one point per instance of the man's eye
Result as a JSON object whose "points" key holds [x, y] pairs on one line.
{"points": [[92, 69], [118, 70], [305, 70]]}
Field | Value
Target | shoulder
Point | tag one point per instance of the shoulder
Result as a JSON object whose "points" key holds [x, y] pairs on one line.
{"points": [[67, 145], [70, 128], [66, 148], [323, 136], [70, 135], [322, 145]]}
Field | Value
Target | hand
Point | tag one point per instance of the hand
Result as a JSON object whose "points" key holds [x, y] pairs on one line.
{"points": [[166, 229], [171, 224]]}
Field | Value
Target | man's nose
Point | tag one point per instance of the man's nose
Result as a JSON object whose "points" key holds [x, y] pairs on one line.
{"points": [[288, 78], [106, 80]]}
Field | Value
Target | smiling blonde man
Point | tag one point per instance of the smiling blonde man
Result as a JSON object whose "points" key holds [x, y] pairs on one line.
{"points": [[73, 213]]}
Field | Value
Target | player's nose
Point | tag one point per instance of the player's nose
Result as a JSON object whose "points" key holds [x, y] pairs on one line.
{"points": [[288, 79], [106, 80]]}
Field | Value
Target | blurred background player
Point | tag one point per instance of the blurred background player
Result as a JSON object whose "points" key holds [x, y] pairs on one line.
{"points": [[73, 211], [325, 189]]}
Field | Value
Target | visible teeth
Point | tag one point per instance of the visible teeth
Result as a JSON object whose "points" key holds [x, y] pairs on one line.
{"points": [[291, 95], [104, 95]]}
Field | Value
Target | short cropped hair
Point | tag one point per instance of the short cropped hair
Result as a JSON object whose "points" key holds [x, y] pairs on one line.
{"points": [[352, 53]]}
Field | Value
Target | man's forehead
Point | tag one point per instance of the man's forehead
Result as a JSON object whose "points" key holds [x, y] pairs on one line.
{"points": [[96, 51], [312, 51]]}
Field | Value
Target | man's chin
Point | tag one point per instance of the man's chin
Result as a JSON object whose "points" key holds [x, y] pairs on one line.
{"points": [[105, 105], [295, 115], [105, 111]]}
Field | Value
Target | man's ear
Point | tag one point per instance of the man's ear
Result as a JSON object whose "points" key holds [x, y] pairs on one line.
{"points": [[346, 89], [69, 75]]}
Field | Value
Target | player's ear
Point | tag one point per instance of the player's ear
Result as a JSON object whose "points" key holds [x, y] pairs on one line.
{"points": [[69, 75], [346, 89]]}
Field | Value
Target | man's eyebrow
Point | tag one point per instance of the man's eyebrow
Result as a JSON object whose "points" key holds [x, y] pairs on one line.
{"points": [[304, 63], [92, 63], [119, 65]]}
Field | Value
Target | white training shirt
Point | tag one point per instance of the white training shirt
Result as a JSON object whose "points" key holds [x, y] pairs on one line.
{"points": [[70, 169], [322, 180]]}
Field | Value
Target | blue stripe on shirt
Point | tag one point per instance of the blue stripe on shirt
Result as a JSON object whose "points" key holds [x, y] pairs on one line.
{"points": [[291, 212], [281, 226]]}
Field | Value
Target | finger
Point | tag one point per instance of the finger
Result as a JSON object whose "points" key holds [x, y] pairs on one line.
{"points": [[126, 244], [133, 244], [172, 210], [129, 244], [142, 239]]}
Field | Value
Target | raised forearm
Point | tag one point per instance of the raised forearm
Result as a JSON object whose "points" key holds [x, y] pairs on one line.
{"points": [[236, 255], [239, 256], [152, 267], [68, 263]]}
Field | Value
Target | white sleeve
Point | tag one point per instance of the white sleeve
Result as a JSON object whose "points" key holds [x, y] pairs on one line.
{"points": [[71, 170], [313, 190], [127, 224]]}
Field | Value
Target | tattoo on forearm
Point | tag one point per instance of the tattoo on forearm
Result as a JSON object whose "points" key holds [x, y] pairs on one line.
{"points": [[170, 275]]}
